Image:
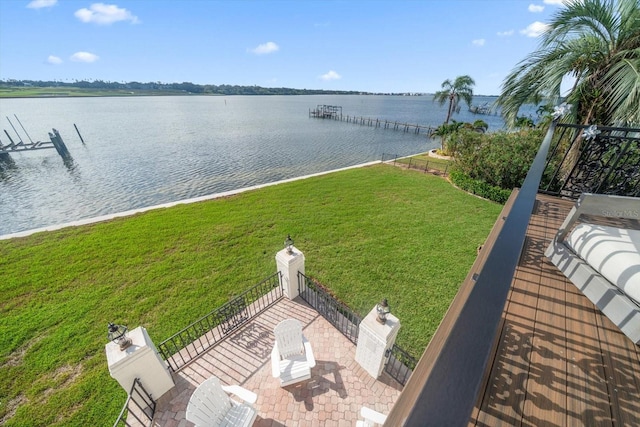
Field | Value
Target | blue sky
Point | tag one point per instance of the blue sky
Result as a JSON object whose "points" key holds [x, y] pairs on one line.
{"points": [[373, 46]]}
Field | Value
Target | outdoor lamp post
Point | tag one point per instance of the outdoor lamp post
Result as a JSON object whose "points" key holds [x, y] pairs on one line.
{"points": [[288, 244], [118, 334], [383, 309]]}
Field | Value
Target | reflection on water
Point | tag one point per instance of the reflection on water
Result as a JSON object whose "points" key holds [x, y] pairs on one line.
{"points": [[142, 151]]}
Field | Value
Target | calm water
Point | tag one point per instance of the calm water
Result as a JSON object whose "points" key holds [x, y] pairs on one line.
{"points": [[143, 151]]}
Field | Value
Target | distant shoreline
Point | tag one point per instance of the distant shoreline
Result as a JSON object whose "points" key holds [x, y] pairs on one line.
{"points": [[50, 89]]}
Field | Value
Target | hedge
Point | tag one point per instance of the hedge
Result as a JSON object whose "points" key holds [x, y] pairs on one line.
{"points": [[479, 188]]}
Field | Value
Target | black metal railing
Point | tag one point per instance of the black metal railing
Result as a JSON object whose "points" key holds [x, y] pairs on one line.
{"points": [[337, 313], [423, 165], [399, 364], [182, 347], [139, 406], [603, 161]]}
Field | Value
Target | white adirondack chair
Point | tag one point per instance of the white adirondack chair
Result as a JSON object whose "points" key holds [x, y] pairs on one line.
{"points": [[210, 405], [292, 356], [370, 417]]}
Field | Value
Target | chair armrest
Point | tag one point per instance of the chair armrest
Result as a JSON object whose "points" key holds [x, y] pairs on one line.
{"points": [[275, 361], [244, 394], [308, 351], [373, 416]]}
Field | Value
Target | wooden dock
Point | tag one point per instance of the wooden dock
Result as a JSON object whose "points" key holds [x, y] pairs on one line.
{"points": [[334, 112], [55, 141]]}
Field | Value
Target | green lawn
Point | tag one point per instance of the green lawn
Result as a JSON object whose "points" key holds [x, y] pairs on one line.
{"points": [[366, 233]]}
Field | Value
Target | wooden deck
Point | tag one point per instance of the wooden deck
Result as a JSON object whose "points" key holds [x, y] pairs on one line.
{"points": [[558, 360]]}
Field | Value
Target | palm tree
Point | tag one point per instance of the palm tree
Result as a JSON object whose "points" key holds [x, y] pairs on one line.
{"points": [[445, 131], [462, 87], [597, 42]]}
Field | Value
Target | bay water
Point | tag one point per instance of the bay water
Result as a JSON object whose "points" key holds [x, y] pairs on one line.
{"points": [[144, 151]]}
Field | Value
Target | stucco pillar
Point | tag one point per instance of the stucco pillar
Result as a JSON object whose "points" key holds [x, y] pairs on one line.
{"points": [[289, 264]]}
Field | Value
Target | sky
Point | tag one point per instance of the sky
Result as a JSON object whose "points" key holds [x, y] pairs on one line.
{"points": [[375, 46]]}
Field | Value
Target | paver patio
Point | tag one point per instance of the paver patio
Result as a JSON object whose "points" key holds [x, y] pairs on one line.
{"points": [[338, 387]]}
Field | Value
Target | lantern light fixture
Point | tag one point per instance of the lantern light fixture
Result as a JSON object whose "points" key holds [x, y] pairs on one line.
{"points": [[288, 244], [118, 335], [383, 309]]}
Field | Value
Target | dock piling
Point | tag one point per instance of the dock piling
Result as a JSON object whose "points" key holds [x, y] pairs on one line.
{"points": [[59, 144], [81, 139]]}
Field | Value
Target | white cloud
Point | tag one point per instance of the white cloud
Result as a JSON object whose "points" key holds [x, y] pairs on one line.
{"points": [[54, 60], [505, 33], [535, 8], [104, 14], [84, 57], [555, 2], [535, 29], [39, 4], [478, 42], [265, 48], [331, 75]]}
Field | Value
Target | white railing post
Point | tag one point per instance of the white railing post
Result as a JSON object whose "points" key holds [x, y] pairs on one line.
{"points": [[374, 339], [139, 360], [289, 264]]}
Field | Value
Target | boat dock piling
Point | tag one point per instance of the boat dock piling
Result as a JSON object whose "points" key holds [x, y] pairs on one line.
{"points": [[334, 112], [81, 139]]}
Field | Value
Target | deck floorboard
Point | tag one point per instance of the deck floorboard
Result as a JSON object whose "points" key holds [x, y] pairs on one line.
{"points": [[558, 361]]}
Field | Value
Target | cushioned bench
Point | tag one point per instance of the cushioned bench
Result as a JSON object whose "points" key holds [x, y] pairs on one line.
{"points": [[603, 261]]}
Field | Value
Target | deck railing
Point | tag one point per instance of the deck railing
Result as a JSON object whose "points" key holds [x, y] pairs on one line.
{"points": [[602, 160], [399, 364], [204, 333], [140, 406]]}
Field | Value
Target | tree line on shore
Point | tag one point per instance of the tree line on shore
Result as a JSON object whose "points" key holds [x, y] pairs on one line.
{"points": [[186, 87]]}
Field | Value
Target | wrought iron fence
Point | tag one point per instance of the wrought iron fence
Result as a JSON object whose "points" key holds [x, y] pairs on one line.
{"points": [[399, 363], [423, 165], [602, 160], [337, 313], [140, 406], [204, 333]]}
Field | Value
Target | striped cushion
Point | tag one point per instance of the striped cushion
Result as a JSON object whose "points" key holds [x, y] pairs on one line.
{"points": [[612, 252]]}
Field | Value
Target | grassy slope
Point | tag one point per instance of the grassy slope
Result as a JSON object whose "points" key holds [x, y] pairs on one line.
{"points": [[366, 233]]}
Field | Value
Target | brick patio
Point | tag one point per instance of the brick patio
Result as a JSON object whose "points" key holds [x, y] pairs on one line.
{"points": [[338, 387]]}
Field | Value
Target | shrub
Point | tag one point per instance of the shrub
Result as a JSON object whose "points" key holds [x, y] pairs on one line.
{"points": [[500, 159], [479, 188]]}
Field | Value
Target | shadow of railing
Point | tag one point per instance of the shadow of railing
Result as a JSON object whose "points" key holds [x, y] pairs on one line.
{"points": [[182, 347]]}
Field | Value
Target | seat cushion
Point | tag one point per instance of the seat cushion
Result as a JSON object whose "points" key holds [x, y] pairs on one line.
{"points": [[239, 415], [612, 252]]}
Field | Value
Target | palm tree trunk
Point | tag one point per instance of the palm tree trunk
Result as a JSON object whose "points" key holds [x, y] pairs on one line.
{"points": [[450, 111]]}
